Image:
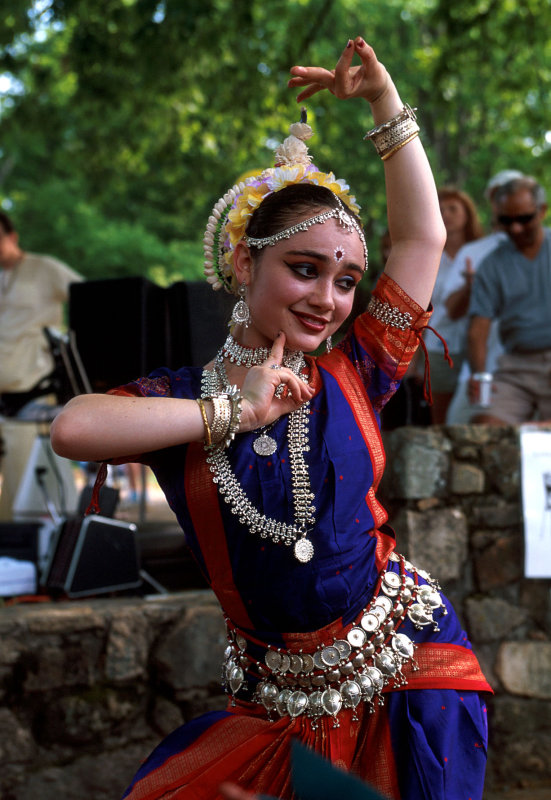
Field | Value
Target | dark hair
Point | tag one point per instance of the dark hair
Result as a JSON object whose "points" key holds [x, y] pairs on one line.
{"points": [[473, 226], [518, 185], [284, 208], [6, 224]]}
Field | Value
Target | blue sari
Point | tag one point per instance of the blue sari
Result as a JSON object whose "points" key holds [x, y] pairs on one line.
{"points": [[428, 739]]}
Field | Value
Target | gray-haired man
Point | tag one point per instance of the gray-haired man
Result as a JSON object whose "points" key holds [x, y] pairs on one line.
{"points": [[513, 285]]}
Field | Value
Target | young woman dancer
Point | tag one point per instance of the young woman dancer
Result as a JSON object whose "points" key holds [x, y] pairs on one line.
{"points": [[271, 459]]}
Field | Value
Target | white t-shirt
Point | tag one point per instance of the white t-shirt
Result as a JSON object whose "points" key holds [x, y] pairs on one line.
{"points": [[477, 252], [440, 320], [32, 295]]}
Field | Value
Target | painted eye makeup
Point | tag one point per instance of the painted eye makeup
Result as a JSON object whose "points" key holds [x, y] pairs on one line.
{"points": [[304, 270], [347, 282]]}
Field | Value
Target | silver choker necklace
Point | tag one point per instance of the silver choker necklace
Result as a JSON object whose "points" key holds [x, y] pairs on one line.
{"points": [[213, 382], [254, 356]]}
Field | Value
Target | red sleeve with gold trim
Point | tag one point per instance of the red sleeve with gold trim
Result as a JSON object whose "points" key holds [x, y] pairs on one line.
{"points": [[391, 347]]}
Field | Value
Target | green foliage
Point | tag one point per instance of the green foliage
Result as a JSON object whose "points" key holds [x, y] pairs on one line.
{"points": [[53, 218], [125, 120]]}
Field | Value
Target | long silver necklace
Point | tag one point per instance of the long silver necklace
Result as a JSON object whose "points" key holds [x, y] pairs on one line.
{"points": [[264, 444], [214, 381]]}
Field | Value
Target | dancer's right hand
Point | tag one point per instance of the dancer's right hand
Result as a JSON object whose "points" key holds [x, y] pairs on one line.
{"points": [[260, 404]]}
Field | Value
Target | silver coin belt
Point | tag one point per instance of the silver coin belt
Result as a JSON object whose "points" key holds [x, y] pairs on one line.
{"points": [[344, 672]]}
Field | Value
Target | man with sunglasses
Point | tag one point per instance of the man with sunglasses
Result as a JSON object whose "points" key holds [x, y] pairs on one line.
{"points": [[513, 285]]}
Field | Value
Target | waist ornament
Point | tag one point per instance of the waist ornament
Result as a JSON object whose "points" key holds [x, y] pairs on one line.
{"points": [[347, 668]]}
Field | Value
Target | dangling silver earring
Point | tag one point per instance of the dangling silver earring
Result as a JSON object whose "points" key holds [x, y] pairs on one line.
{"points": [[328, 344], [240, 314]]}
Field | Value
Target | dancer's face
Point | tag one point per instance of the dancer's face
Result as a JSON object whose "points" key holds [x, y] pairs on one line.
{"points": [[303, 286]]}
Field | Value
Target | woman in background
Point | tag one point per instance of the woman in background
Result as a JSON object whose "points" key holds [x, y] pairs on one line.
{"points": [[462, 224]]}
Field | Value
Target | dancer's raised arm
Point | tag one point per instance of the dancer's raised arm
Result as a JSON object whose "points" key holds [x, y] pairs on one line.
{"points": [[414, 220]]}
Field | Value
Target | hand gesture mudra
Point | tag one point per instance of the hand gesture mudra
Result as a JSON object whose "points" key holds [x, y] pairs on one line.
{"points": [[368, 80], [263, 403]]}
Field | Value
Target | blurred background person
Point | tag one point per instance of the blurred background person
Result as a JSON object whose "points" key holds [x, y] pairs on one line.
{"points": [[33, 291], [458, 290], [463, 225], [513, 286]]}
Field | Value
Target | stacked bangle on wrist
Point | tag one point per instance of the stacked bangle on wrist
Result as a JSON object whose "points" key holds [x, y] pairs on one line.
{"points": [[226, 419], [221, 419], [391, 136], [208, 433], [235, 398]]}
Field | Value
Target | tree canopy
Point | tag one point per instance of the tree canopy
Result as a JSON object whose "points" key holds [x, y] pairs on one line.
{"points": [[123, 121]]}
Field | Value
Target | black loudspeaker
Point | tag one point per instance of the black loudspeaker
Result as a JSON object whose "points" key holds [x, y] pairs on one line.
{"points": [[20, 540], [94, 555], [108, 500], [120, 327], [125, 327], [198, 322]]}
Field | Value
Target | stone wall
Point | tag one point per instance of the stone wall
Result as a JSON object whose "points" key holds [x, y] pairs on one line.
{"points": [[87, 688], [454, 498]]}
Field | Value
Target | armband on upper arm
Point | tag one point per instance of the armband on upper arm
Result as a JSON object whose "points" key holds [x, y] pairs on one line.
{"points": [[389, 315]]}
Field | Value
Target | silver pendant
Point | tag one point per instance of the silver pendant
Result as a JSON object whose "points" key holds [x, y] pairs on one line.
{"points": [[264, 445], [304, 550], [297, 703], [237, 676]]}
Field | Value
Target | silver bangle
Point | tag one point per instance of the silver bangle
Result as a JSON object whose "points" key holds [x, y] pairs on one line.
{"points": [[235, 398], [221, 419], [227, 417], [390, 136]]}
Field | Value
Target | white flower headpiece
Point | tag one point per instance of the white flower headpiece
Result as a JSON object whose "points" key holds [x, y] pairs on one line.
{"points": [[230, 216]]}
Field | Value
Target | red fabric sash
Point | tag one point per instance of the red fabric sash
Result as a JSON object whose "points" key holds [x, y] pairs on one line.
{"points": [[254, 753], [202, 498], [444, 666]]}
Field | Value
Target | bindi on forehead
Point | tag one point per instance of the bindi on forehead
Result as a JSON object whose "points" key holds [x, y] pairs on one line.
{"points": [[340, 253]]}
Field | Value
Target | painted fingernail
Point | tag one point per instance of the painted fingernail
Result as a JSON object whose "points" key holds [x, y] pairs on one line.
{"points": [[361, 43], [349, 44]]}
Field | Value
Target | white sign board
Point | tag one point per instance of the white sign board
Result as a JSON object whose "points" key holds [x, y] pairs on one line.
{"points": [[535, 448]]}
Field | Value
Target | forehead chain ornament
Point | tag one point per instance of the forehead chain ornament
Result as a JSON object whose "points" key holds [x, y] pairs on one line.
{"points": [[230, 216]]}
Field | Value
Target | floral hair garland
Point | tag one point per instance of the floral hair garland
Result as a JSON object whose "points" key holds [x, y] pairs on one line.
{"points": [[231, 214]]}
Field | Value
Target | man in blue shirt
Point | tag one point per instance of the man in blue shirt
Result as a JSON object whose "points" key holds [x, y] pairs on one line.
{"points": [[513, 285]]}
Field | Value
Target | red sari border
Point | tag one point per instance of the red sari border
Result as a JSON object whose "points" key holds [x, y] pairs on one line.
{"points": [[443, 666], [204, 509], [338, 365]]}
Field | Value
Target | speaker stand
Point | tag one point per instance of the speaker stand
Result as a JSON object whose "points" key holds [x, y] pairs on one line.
{"points": [[147, 578]]}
